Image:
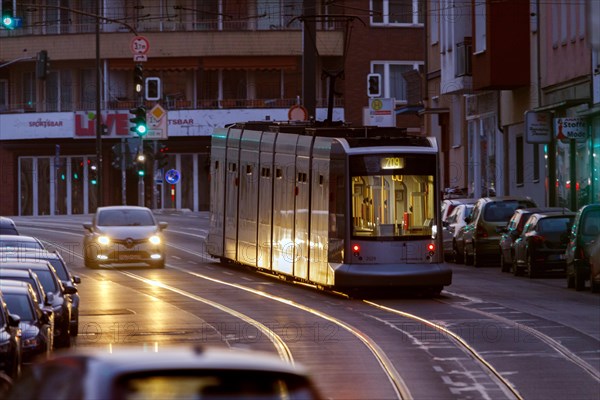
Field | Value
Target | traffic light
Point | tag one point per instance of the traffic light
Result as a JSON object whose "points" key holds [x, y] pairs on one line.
{"points": [[162, 156], [374, 85], [9, 18], [152, 88], [117, 156], [138, 121], [138, 77], [42, 64]]}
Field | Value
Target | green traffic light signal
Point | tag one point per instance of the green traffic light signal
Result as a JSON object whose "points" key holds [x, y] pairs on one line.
{"points": [[9, 18], [141, 172], [139, 126]]}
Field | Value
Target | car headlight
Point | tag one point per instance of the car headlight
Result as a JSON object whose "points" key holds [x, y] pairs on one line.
{"points": [[103, 240], [154, 239]]}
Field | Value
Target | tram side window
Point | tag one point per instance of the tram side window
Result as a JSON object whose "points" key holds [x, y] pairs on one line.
{"points": [[392, 205]]}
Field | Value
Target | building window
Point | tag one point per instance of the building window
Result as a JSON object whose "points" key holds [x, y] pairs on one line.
{"points": [[519, 160], [393, 85], [536, 163], [434, 23], [397, 12], [480, 26]]}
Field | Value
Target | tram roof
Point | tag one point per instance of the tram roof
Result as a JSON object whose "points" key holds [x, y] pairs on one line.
{"points": [[361, 136]]}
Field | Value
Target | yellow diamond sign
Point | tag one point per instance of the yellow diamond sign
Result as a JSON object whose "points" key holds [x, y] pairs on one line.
{"points": [[158, 112]]}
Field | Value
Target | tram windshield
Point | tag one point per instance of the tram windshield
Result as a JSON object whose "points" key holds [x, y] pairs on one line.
{"points": [[393, 196]]}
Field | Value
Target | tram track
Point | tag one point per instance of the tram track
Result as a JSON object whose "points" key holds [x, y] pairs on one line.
{"points": [[398, 384], [387, 365]]}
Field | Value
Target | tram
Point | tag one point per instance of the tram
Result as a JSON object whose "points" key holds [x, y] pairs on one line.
{"points": [[338, 207]]}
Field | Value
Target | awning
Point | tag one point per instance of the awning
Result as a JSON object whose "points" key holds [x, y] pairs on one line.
{"points": [[442, 110], [590, 112], [249, 62], [409, 110], [165, 64], [562, 104]]}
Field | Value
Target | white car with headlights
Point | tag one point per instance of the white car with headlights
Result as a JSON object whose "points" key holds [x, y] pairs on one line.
{"points": [[124, 234]]}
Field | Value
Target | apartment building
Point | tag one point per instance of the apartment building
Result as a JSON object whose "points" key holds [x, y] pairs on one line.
{"points": [[218, 62], [512, 93]]}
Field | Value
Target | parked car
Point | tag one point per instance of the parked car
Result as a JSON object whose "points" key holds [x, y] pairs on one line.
{"points": [[451, 228], [514, 229], [8, 227], [481, 235], [16, 243], [595, 264], [124, 234], [59, 296], [59, 264], [167, 373], [10, 341], [586, 229], [541, 246], [448, 206], [26, 275], [36, 330]]}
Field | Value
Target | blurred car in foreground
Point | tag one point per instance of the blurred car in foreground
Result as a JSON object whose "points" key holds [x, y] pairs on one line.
{"points": [[124, 234], [514, 229], [482, 232], [541, 246], [10, 341], [65, 276], [17, 243], [451, 230], [586, 229], [164, 373], [8, 227], [59, 296], [36, 331]]}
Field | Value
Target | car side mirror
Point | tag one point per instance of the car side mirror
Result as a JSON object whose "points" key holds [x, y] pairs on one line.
{"points": [[49, 298], [14, 320], [76, 279], [88, 226], [70, 290], [163, 225]]}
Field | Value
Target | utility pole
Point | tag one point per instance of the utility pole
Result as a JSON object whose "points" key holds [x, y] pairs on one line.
{"points": [[98, 115]]}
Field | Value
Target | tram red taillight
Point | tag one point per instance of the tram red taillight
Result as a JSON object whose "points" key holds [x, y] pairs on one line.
{"points": [[356, 250], [431, 248]]}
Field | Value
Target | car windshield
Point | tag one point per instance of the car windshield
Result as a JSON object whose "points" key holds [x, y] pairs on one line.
{"points": [[19, 244], [214, 385], [47, 280], [561, 224], [392, 202], [125, 218], [502, 211], [591, 223], [19, 304]]}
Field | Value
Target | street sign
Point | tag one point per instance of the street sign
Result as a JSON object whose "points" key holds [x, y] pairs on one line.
{"points": [[538, 126], [570, 128], [139, 45], [157, 122], [140, 58], [172, 176]]}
